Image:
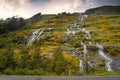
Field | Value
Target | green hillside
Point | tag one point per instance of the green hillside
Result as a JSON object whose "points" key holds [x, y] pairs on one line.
{"points": [[55, 45], [106, 30], [104, 10]]}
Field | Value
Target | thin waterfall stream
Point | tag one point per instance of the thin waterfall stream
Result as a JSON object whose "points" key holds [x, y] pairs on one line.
{"points": [[73, 29], [37, 34], [105, 57], [77, 28]]}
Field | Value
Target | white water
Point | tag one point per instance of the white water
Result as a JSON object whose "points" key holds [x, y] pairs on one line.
{"points": [[100, 47], [40, 33], [71, 32], [90, 43], [84, 48], [105, 57], [85, 51], [68, 30], [81, 65], [82, 17], [35, 35], [87, 33]]}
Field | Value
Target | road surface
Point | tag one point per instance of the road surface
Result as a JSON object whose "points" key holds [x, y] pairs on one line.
{"points": [[60, 78]]}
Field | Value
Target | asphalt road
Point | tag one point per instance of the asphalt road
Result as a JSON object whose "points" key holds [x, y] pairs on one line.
{"points": [[60, 78]]}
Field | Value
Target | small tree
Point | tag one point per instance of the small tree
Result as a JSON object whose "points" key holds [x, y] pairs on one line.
{"points": [[59, 63]]}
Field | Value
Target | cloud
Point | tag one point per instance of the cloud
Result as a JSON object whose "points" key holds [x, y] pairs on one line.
{"points": [[57, 6], [10, 8], [27, 8]]}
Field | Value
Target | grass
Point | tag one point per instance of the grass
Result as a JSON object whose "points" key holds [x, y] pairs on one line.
{"points": [[105, 29]]}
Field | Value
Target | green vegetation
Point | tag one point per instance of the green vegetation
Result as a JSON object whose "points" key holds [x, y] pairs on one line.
{"points": [[106, 30], [11, 24], [19, 59]]}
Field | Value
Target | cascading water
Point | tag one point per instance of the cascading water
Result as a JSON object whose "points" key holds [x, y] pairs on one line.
{"points": [[40, 33], [84, 49], [105, 57], [90, 43], [81, 67], [87, 33], [100, 47], [71, 32], [75, 28], [35, 35]]}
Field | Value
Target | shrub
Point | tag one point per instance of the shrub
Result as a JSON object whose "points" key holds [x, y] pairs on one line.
{"points": [[8, 71]]}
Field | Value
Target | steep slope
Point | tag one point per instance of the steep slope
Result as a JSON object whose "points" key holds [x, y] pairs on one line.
{"points": [[35, 18], [104, 10], [105, 29], [63, 44], [34, 46]]}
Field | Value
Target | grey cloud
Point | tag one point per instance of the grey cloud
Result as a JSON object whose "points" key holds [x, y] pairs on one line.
{"points": [[27, 8], [12, 2], [86, 4]]}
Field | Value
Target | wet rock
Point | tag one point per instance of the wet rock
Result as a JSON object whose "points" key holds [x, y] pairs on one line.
{"points": [[92, 63], [37, 34], [115, 65], [48, 29]]}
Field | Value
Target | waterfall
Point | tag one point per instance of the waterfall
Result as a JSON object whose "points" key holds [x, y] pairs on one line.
{"points": [[90, 43], [71, 32], [81, 65], [82, 17], [35, 35], [40, 33], [84, 49], [68, 30], [100, 47], [87, 33], [105, 57], [75, 28]]}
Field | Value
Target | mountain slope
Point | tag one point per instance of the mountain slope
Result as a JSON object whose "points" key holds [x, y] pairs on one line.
{"points": [[63, 44], [35, 18], [104, 10]]}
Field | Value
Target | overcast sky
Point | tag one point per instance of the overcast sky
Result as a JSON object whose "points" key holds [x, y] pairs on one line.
{"points": [[27, 8]]}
